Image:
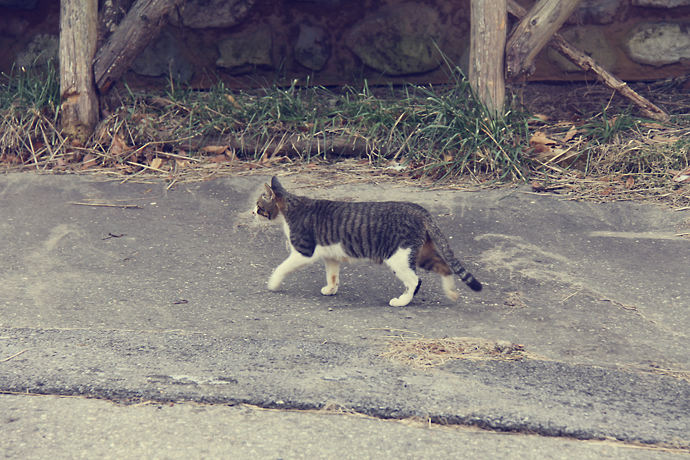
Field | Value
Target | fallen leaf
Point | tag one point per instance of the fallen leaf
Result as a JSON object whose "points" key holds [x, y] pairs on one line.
{"points": [[540, 138], [118, 146], [606, 191], [219, 159], [156, 163], [570, 134], [215, 149], [630, 182], [541, 117], [682, 176], [89, 161], [559, 156]]}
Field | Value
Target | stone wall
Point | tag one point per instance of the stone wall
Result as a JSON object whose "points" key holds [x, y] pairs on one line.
{"points": [[339, 42]]}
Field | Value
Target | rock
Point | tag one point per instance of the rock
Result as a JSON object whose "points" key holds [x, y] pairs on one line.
{"points": [[14, 27], [313, 47], [111, 14], [42, 49], [19, 4], [592, 41], [659, 44], [243, 54], [399, 41], [596, 12], [163, 57], [202, 14], [661, 3]]}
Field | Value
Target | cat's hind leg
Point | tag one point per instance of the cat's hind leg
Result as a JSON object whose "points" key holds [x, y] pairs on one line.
{"points": [[294, 262], [399, 262], [449, 287], [332, 277]]}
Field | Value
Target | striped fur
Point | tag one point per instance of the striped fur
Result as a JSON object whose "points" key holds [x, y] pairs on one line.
{"points": [[401, 235]]}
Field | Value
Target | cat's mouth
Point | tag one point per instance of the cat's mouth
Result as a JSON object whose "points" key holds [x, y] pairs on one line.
{"points": [[260, 211]]}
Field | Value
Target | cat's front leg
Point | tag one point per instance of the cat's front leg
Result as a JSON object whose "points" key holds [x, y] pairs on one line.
{"points": [[332, 277], [294, 262]]}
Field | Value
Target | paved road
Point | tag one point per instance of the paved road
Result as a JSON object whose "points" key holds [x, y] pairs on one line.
{"points": [[166, 302]]}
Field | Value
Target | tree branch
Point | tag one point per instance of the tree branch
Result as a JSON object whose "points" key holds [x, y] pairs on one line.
{"points": [[586, 63]]}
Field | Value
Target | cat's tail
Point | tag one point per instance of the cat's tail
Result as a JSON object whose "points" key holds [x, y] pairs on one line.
{"points": [[446, 253]]}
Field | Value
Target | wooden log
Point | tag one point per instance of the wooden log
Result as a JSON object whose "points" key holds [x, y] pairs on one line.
{"points": [[79, 108], [533, 33], [487, 47], [586, 63], [143, 23]]}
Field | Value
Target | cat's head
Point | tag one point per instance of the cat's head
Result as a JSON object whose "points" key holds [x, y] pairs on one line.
{"points": [[271, 201]]}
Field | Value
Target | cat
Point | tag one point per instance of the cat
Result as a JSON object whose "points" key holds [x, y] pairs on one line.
{"points": [[402, 235]]}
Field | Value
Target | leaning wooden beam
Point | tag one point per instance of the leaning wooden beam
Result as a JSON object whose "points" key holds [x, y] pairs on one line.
{"points": [[585, 62], [143, 22], [533, 33]]}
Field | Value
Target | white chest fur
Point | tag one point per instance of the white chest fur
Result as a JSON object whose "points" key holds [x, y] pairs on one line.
{"points": [[331, 252]]}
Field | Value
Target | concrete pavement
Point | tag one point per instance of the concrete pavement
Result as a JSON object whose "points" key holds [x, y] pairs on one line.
{"points": [[164, 300]]}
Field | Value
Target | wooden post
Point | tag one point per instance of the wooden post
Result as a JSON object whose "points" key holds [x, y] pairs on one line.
{"points": [[79, 110], [487, 47], [143, 23], [533, 33]]}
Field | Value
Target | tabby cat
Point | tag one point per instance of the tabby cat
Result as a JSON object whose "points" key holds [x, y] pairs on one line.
{"points": [[401, 235]]}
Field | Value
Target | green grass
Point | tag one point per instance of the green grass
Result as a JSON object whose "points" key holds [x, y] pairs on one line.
{"points": [[37, 87], [445, 133], [29, 108]]}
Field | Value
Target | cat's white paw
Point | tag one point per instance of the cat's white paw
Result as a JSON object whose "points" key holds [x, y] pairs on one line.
{"points": [[400, 301], [329, 290], [274, 283], [453, 295], [449, 288]]}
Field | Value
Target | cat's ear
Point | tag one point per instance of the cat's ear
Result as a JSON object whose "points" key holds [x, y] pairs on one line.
{"points": [[275, 185], [270, 195]]}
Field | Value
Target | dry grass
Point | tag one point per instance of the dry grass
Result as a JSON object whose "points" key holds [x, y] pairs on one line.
{"points": [[423, 353], [582, 142]]}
